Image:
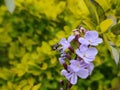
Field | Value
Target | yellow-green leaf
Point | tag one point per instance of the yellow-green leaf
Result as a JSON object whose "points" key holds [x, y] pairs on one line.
{"points": [[115, 82], [105, 4], [104, 25], [27, 87], [44, 66], [92, 10], [36, 87]]}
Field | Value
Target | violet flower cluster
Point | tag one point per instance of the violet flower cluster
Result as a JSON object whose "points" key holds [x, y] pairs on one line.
{"points": [[78, 53]]}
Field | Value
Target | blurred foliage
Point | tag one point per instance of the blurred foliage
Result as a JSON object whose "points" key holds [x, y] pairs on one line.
{"points": [[27, 61]]}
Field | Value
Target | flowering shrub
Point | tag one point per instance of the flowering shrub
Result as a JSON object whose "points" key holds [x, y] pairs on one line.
{"points": [[77, 59], [28, 29]]}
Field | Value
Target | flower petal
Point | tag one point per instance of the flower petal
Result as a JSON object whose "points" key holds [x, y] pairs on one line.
{"points": [[99, 40], [63, 41], [90, 68], [61, 60], [91, 35], [91, 52], [64, 72], [73, 79], [96, 42], [70, 38], [68, 76], [83, 41], [83, 48], [65, 44], [80, 54], [83, 73], [88, 60]]}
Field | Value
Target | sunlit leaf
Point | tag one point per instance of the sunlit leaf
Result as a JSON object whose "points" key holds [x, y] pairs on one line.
{"points": [[36, 87], [115, 82], [4, 73], [93, 12], [78, 7], [44, 66], [47, 8], [46, 49], [105, 4], [10, 85], [99, 10], [104, 25], [90, 25], [10, 5], [27, 87], [49, 75], [5, 39], [53, 60]]}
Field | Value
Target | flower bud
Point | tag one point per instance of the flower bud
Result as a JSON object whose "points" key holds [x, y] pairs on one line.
{"points": [[71, 49], [65, 65]]}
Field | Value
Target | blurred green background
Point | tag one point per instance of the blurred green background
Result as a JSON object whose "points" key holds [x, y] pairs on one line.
{"points": [[27, 61]]}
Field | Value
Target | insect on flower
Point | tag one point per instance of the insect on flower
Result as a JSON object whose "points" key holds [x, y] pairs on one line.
{"points": [[57, 47]]}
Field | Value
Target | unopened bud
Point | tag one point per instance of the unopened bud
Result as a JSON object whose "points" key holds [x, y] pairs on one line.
{"points": [[68, 56], [62, 82], [65, 65], [76, 31], [71, 49], [69, 84], [77, 37], [61, 89]]}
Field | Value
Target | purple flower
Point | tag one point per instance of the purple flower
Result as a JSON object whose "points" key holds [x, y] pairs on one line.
{"points": [[75, 69], [71, 76], [90, 38], [76, 65], [87, 54], [66, 43]]}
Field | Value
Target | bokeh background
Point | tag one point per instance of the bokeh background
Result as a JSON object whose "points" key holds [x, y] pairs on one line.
{"points": [[27, 61]]}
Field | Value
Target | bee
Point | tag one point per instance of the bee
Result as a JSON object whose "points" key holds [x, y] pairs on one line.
{"points": [[57, 47], [81, 29]]}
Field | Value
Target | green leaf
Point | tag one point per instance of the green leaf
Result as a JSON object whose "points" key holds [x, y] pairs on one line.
{"points": [[10, 5], [116, 29], [1, 2], [100, 11], [105, 4], [27, 87], [117, 12], [115, 82], [36, 87], [93, 12], [104, 25], [77, 7], [97, 76], [115, 52], [90, 25]]}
